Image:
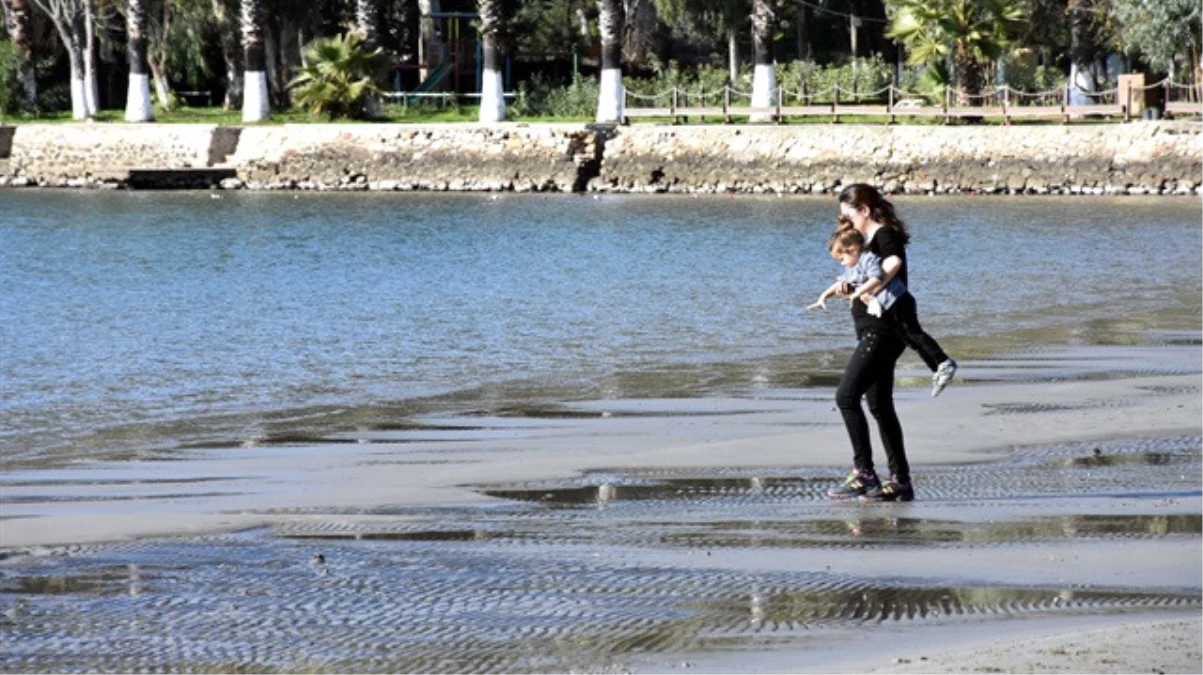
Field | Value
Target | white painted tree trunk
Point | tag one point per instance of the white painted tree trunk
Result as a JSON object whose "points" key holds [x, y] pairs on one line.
{"points": [[138, 107], [256, 107], [92, 94], [492, 96], [79, 98], [609, 104], [764, 90]]}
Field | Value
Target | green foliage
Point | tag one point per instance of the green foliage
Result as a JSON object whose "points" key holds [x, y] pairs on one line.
{"points": [[540, 97], [1160, 31], [12, 99], [865, 76], [973, 32], [338, 78]]}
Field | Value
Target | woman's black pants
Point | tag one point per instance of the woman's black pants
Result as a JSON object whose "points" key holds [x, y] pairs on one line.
{"points": [[870, 375]]}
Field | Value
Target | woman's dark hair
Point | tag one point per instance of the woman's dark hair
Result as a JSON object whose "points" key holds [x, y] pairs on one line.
{"points": [[861, 195]]}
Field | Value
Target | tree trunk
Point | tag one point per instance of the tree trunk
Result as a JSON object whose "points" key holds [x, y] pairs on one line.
{"points": [[20, 24], [137, 101], [609, 24], [732, 55], [804, 50], [968, 73], [255, 103], [231, 54], [492, 89], [367, 20], [764, 78], [157, 54], [91, 94], [68, 20], [428, 40], [1081, 55], [733, 17]]}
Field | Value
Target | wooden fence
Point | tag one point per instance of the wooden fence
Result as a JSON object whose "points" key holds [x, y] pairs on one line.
{"points": [[1127, 101]]}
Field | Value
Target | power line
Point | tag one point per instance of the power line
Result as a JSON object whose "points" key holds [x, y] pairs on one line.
{"points": [[842, 15]]}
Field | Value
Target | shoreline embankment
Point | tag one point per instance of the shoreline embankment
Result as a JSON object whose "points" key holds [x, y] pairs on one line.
{"points": [[1143, 158]]}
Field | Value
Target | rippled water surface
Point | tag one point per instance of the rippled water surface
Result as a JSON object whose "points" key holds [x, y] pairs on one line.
{"points": [[140, 322]]}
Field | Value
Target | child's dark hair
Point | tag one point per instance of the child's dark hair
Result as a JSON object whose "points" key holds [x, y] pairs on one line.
{"points": [[845, 235], [863, 195]]}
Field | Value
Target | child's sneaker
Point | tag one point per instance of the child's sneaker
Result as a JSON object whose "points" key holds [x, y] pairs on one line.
{"points": [[943, 376], [890, 491], [855, 485]]}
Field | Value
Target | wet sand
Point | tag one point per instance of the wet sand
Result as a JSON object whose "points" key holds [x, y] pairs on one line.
{"points": [[1059, 498]]}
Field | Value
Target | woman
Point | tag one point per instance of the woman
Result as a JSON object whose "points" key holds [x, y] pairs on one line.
{"points": [[880, 341]]}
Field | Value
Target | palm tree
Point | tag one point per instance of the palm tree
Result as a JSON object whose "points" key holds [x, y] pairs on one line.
{"points": [[764, 79], [337, 78], [137, 103], [609, 24], [492, 89], [256, 107], [971, 32]]}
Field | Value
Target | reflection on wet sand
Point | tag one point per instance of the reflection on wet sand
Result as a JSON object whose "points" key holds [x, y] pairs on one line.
{"points": [[584, 574]]}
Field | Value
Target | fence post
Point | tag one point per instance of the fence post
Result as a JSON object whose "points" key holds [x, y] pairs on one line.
{"points": [[701, 103], [1165, 101], [727, 103], [673, 104], [1127, 84], [947, 98], [1065, 105], [780, 95], [1006, 104], [890, 102], [835, 104]]}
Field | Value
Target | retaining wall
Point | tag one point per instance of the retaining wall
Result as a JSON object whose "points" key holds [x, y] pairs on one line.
{"points": [[1164, 157]]}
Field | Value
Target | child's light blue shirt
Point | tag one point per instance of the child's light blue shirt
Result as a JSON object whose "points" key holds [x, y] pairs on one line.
{"points": [[869, 267]]}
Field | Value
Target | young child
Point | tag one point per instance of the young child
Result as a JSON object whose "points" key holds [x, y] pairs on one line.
{"points": [[862, 271]]}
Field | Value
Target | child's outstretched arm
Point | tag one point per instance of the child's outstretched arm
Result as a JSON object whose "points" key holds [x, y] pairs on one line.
{"points": [[821, 303]]}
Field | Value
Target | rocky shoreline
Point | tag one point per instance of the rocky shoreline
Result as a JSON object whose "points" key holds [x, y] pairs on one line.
{"points": [[1139, 158]]}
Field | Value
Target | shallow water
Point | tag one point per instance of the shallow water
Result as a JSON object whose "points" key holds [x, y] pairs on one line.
{"points": [[596, 573], [137, 323]]}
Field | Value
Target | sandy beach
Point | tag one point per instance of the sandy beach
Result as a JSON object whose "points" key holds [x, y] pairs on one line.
{"points": [[1137, 405]]}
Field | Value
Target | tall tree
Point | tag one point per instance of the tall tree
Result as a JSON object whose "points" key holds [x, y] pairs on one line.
{"points": [[1082, 52], [609, 25], [971, 32], [256, 106], [492, 88], [428, 39], [16, 13], [1162, 32], [721, 20], [764, 78], [138, 107], [69, 18], [225, 15], [367, 22]]}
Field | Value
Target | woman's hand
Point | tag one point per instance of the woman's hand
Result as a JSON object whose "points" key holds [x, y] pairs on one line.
{"points": [[844, 289], [821, 303]]}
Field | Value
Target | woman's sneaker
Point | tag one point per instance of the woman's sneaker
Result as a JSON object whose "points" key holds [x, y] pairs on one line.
{"points": [[890, 491], [943, 376], [855, 485]]}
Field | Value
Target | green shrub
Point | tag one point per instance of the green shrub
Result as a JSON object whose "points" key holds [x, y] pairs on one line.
{"points": [[338, 78], [540, 97], [12, 98]]}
